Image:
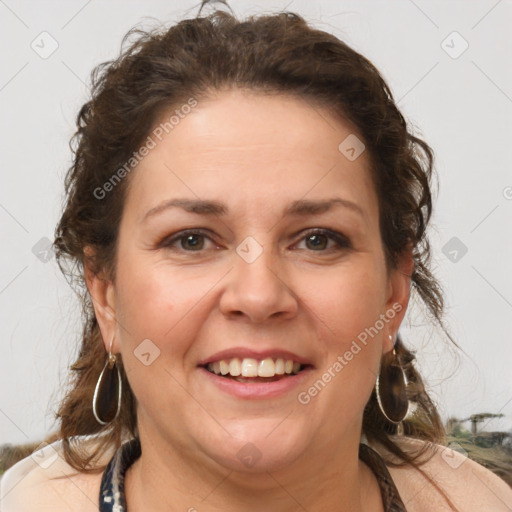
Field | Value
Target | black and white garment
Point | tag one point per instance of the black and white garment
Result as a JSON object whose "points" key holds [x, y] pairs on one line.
{"points": [[112, 496]]}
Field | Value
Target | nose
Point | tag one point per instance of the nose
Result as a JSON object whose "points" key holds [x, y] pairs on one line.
{"points": [[258, 290]]}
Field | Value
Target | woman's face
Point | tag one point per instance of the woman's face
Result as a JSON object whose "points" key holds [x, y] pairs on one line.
{"points": [[260, 281]]}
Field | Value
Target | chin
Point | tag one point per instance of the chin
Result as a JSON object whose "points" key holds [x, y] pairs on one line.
{"points": [[256, 448]]}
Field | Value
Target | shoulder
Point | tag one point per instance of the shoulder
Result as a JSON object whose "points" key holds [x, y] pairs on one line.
{"points": [[468, 485], [46, 479]]}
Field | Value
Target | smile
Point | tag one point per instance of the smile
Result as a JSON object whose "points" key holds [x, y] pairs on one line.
{"points": [[254, 370]]}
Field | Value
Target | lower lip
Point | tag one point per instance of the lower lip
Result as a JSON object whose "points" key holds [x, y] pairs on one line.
{"points": [[255, 390]]}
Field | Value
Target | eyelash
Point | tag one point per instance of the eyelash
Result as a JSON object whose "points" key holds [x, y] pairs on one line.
{"points": [[341, 241]]}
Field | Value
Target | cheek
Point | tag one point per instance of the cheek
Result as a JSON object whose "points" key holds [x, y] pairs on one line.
{"points": [[150, 302], [158, 301], [148, 306], [348, 306], [348, 299], [145, 301]]}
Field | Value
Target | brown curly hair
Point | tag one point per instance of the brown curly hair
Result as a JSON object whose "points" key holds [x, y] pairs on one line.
{"points": [[277, 53]]}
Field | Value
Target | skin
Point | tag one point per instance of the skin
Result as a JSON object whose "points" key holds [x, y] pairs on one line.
{"points": [[256, 154]]}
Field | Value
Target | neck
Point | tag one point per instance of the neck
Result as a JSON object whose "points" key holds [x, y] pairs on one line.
{"points": [[170, 479]]}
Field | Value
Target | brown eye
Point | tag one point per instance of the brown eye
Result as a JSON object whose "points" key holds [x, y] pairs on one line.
{"points": [[189, 241], [193, 242], [318, 239]]}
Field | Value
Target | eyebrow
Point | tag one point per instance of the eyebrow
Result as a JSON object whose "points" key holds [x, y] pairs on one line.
{"points": [[299, 208]]}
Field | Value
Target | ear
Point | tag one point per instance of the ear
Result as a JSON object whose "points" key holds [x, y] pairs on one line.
{"points": [[398, 293], [102, 294]]}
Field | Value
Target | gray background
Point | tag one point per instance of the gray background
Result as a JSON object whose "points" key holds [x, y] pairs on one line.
{"points": [[460, 102]]}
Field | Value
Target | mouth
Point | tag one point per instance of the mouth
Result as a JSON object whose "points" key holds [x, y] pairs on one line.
{"points": [[251, 370]]}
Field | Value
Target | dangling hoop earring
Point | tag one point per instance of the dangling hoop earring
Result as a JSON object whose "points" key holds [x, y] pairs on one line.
{"points": [[391, 389], [106, 390]]}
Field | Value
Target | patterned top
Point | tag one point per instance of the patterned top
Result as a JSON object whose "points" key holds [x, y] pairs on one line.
{"points": [[112, 496]]}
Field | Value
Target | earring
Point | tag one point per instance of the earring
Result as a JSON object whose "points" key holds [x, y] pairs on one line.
{"points": [[103, 402], [390, 389]]}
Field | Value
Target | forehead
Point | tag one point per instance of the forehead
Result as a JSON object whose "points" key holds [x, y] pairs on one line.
{"points": [[251, 149]]}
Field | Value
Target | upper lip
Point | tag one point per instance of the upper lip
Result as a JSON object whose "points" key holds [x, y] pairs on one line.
{"points": [[243, 352]]}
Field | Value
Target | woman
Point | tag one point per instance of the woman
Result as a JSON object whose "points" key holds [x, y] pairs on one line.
{"points": [[246, 214]]}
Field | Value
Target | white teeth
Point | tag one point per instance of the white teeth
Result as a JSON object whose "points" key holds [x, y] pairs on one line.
{"points": [[279, 366], [224, 367], [266, 368], [250, 367], [234, 367]]}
